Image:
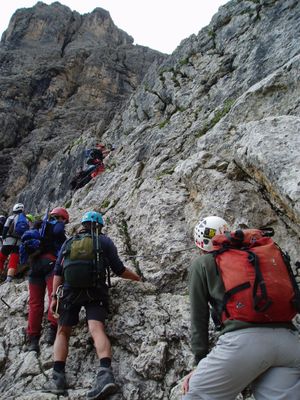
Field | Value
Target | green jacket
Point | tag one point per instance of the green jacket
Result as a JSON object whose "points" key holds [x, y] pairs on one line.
{"points": [[206, 289]]}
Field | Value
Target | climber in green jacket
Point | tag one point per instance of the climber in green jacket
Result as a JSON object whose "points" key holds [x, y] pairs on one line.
{"points": [[265, 356]]}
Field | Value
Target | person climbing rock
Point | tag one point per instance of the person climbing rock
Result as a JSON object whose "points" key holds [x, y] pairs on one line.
{"points": [[15, 225], [82, 177], [258, 343], [95, 161], [82, 275], [41, 263], [31, 220], [95, 155]]}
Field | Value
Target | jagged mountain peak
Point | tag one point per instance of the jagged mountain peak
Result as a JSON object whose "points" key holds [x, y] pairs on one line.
{"points": [[52, 25], [210, 130], [54, 61]]}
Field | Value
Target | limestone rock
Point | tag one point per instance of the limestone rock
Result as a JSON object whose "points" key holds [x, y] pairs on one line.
{"points": [[61, 74], [211, 129]]}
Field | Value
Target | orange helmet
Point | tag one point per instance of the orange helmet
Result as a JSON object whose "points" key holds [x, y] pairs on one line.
{"points": [[60, 212]]}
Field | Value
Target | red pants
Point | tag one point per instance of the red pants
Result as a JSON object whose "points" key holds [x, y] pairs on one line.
{"points": [[98, 170], [13, 251], [36, 306]]}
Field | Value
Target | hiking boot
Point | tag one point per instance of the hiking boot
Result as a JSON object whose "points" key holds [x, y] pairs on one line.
{"points": [[51, 334], [57, 384], [33, 344], [104, 385]]}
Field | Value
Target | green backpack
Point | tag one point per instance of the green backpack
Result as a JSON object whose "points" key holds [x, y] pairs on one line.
{"points": [[83, 264]]}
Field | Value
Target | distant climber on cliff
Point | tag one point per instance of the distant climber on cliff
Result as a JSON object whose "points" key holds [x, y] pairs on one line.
{"points": [[95, 157], [14, 227]]}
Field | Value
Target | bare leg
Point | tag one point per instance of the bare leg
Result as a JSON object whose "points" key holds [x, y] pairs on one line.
{"points": [[61, 344], [101, 341]]}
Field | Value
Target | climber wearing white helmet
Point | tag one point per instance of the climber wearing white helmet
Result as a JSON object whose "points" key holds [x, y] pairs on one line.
{"points": [[263, 355], [206, 229], [14, 227]]}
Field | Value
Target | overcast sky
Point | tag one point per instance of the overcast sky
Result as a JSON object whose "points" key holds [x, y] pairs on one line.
{"points": [[158, 24]]}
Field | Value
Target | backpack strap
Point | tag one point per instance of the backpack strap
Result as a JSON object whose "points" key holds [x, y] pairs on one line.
{"points": [[262, 302], [234, 290], [101, 268], [216, 312], [287, 261], [12, 224], [230, 293]]}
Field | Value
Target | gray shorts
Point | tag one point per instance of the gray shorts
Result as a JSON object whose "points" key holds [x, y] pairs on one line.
{"points": [[266, 358]]}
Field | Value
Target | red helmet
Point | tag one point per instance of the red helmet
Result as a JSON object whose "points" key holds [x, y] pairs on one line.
{"points": [[60, 212]]}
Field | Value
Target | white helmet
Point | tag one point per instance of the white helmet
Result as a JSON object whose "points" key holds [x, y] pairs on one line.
{"points": [[206, 229], [18, 207]]}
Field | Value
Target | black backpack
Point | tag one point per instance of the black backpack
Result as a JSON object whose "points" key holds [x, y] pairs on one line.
{"points": [[84, 264]]}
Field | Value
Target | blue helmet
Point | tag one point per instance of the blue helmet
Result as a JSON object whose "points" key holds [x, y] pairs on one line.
{"points": [[92, 216]]}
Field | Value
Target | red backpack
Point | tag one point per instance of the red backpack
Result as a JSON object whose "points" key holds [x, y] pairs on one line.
{"points": [[259, 282]]}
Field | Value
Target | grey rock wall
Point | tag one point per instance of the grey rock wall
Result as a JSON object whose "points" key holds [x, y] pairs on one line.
{"points": [[211, 129], [62, 74]]}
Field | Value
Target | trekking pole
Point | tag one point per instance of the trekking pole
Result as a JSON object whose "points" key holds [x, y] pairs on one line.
{"points": [[45, 220]]}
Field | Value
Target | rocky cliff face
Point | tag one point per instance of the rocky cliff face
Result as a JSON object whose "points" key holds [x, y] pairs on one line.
{"points": [[62, 74], [211, 129]]}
